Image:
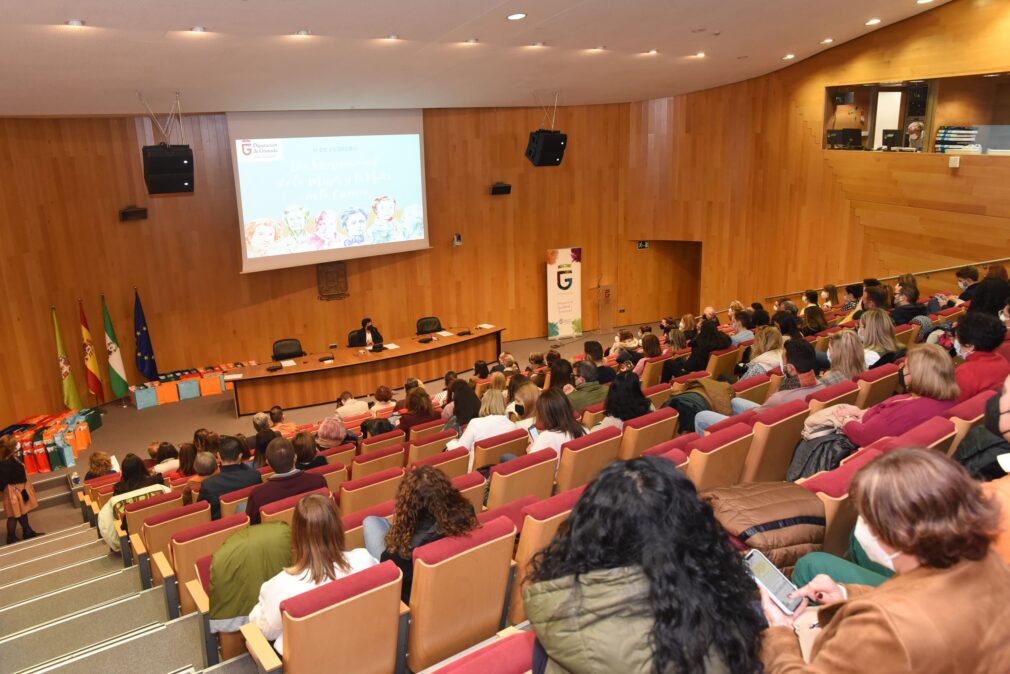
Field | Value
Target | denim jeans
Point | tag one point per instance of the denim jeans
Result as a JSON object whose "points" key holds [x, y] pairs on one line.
{"points": [[374, 529], [704, 419]]}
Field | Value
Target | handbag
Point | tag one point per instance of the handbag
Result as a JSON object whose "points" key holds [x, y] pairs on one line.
{"points": [[25, 496]]}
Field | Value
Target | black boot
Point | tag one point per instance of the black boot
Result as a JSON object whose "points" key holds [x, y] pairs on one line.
{"points": [[11, 538], [26, 529]]}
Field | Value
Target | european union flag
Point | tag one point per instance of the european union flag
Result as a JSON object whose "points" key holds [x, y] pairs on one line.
{"points": [[145, 351]]}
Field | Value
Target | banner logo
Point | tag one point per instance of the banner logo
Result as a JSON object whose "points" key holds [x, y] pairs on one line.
{"points": [[260, 150]]}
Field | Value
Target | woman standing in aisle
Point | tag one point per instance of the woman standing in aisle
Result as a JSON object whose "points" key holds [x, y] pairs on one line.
{"points": [[18, 494]]}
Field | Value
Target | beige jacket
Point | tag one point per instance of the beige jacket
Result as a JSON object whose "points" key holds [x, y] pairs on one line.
{"points": [[927, 621]]}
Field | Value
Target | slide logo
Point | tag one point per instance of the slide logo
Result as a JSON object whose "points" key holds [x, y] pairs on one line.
{"points": [[260, 150]]}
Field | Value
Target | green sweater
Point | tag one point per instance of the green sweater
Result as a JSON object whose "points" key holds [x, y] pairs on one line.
{"points": [[248, 559]]}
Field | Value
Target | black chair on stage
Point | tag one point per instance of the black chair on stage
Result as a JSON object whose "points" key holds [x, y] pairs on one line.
{"points": [[285, 349], [428, 325]]}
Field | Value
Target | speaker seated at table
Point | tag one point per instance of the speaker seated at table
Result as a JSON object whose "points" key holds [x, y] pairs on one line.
{"points": [[287, 348], [366, 336], [428, 325]]}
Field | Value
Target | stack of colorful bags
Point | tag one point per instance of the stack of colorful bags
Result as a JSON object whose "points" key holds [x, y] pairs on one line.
{"points": [[172, 387], [53, 442]]}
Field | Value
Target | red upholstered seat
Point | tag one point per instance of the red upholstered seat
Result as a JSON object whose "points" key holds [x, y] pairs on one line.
{"points": [[210, 528], [832, 392], [342, 589], [153, 501], [748, 417], [377, 454], [354, 520], [678, 456], [750, 382], [239, 494], [381, 437], [926, 434], [174, 513], [651, 390], [428, 424], [700, 374], [835, 483], [877, 372], [723, 352], [275, 507], [441, 457], [511, 655], [468, 481], [337, 450], [713, 441], [651, 418], [555, 505], [683, 443], [445, 548], [369, 480], [950, 311], [514, 511], [264, 470], [112, 478], [594, 408], [434, 437], [502, 438], [590, 439], [328, 468], [203, 572], [778, 413], [972, 407], [525, 461]]}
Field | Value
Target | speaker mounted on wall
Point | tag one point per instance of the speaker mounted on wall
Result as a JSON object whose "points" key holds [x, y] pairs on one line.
{"points": [[546, 148], [168, 169]]}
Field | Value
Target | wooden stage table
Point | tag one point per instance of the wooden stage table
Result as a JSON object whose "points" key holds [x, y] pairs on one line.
{"points": [[311, 382]]}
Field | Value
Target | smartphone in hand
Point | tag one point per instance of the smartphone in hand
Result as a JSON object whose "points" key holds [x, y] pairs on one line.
{"points": [[772, 580]]}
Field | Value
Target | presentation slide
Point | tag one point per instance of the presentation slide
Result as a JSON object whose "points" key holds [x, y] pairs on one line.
{"points": [[311, 199]]}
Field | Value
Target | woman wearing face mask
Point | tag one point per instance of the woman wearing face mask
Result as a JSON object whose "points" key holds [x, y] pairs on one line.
{"points": [[876, 331], [921, 516], [978, 335]]}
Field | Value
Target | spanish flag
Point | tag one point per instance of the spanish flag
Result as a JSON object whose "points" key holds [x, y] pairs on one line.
{"points": [[71, 398], [94, 374]]}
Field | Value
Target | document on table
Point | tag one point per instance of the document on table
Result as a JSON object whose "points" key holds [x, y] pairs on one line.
{"points": [[444, 333], [485, 326], [232, 377], [288, 363], [390, 345]]}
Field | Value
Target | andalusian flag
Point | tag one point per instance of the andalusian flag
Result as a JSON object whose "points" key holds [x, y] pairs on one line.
{"points": [[71, 398], [117, 373], [90, 358]]}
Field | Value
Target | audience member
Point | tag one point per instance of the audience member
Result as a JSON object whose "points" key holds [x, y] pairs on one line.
{"points": [[799, 363], [234, 475], [442, 397], [498, 382], [278, 424], [167, 459], [814, 321], [187, 457], [491, 422], [1004, 316], [876, 332], [349, 406], [990, 296], [978, 336], [536, 360], [853, 294], [317, 540], [982, 449], [209, 441], [306, 453], [99, 464], [761, 318], [709, 339], [523, 410], [204, 467], [709, 314], [766, 353], [845, 356], [997, 271], [588, 391], [829, 297], [675, 341], [383, 399], [19, 497], [921, 516], [809, 298], [372, 427], [689, 327], [286, 480], [480, 370], [409, 385], [557, 419], [419, 411], [465, 404], [874, 297], [787, 324], [552, 355], [650, 349], [929, 376], [624, 402], [561, 375], [331, 433], [625, 344], [641, 578], [906, 306], [594, 352], [135, 484], [743, 329], [428, 508]]}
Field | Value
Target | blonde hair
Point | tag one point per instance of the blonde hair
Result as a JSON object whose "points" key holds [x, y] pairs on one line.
{"points": [[931, 372], [878, 331], [735, 307], [846, 353], [675, 339], [498, 382], [99, 463], [527, 396], [317, 539], [492, 402], [768, 338]]}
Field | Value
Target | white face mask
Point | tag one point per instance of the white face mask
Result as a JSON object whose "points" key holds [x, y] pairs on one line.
{"points": [[962, 285], [957, 348], [824, 295], [1002, 316], [871, 546]]}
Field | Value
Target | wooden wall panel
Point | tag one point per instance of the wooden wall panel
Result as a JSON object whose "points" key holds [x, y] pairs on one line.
{"points": [[740, 168]]}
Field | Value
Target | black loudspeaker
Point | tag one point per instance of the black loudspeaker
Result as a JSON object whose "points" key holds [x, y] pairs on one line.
{"points": [[917, 100], [500, 188], [168, 168], [546, 148]]}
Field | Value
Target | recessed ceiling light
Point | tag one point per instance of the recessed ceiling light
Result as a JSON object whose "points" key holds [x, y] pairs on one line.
{"points": [[472, 40], [827, 40], [392, 36], [700, 55], [789, 57], [652, 51], [517, 16], [916, 81], [76, 23], [198, 29], [923, 2], [873, 22], [538, 44], [303, 32], [600, 47], [991, 75]]}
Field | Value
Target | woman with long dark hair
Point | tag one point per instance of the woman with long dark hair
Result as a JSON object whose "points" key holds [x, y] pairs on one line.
{"points": [[134, 476], [556, 421], [427, 508], [785, 321], [624, 401], [641, 578], [465, 403], [709, 339], [17, 492]]}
